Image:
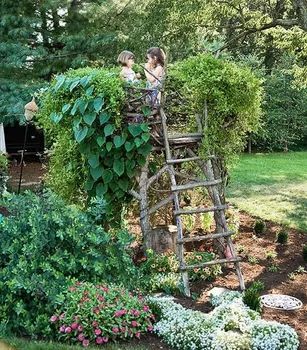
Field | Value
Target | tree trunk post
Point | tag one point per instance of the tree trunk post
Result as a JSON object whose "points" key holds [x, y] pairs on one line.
{"points": [[144, 207]]}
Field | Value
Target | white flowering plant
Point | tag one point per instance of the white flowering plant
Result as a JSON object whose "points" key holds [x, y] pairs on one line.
{"points": [[271, 335], [230, 326], [234, 316], [226, 297]]}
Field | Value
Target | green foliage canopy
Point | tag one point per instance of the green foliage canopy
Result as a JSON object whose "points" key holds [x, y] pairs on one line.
{"points": [[285, 113], [233, 94]]}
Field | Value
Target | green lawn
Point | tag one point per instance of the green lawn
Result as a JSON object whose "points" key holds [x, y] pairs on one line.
{"points": [[272, 186], [19, 344]]}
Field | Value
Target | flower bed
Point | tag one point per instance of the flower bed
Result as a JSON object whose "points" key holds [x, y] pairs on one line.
{"points": [[160, 271], [92, 314], [230, 326]]}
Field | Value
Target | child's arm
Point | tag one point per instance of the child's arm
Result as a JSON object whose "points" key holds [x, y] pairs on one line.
{"points": [[156, 73], [149, 77], [122, 75]]}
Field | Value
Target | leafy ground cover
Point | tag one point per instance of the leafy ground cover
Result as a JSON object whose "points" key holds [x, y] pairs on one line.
{"points": [[272, 186]]}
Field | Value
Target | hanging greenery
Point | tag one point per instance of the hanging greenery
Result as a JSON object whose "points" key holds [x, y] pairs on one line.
{"points": [[94, 152], [233, 95]]}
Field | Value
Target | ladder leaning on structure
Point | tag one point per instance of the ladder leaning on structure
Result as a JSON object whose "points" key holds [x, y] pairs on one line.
{"points": [[186, 146], [218, 208]]}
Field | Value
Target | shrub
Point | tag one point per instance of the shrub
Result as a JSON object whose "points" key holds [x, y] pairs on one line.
{"points": [[206, 221], [282, 237], [169, 283], [159, 263], [233, 221], [305, 252], [44, 246], [259, 227], [98, 313], [202, 273], [233, 95], [251, 296], [271, 255], [188, 221]]}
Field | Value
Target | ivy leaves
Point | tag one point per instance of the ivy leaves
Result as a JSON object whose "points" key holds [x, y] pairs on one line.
{"points": [[113, 154], [80, 133]]}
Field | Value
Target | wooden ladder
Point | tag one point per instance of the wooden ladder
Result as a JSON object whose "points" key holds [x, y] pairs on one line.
{"points": [[222, 235]]}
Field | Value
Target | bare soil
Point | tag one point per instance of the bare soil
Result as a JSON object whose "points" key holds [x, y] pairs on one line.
{"points": [[32, 173], [279, 274]]}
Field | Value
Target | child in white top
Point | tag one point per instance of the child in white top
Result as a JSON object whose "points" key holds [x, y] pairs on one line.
{"points": [[154, 71], [126, 60], [155, 66]]}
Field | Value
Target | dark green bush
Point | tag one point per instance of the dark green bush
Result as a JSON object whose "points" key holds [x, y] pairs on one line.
{"points": [[282, 237], [45, 246], [251, 296], [305, 252], [259, 227]]}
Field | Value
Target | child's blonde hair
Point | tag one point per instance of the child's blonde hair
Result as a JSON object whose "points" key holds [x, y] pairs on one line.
{"points": [[124, 56]]}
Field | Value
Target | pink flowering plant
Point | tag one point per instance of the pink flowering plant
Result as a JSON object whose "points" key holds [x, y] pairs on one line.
{"points": [[97, 314]]}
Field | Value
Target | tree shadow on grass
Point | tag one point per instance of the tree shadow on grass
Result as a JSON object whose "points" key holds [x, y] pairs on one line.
{"points": [[292, 207]]}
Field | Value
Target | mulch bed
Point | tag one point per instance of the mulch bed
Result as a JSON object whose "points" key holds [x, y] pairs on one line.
{"points": [[289, 258]]}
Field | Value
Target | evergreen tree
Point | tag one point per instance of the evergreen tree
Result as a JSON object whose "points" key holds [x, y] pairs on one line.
{"points": [[42, 38]]}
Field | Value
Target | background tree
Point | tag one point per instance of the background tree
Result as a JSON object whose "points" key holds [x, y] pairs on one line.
{"points": [[41, 38]]}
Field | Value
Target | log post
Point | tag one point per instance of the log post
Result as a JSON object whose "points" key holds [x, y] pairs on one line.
{"points": [[144, 206]]}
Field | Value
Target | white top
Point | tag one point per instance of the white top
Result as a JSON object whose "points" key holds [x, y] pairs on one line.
{"points": [[128, 74], [2, 139], [157, 72]]}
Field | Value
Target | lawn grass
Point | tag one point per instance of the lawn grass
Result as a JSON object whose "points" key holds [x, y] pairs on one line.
{"points": [[272, 186], [20, 344]]}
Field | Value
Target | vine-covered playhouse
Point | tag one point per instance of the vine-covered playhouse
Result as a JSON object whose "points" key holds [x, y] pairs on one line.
{"points": [[114, 153], [114, 143]]}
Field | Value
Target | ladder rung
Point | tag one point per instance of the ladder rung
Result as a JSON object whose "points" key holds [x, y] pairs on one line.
{"points": [[195, 184], [154, 122], [205, 237], [199, 210], [183, 136], [182, 160], [209, 263]]}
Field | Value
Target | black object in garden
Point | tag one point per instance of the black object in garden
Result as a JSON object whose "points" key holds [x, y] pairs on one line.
{"points": [[22, 156]]}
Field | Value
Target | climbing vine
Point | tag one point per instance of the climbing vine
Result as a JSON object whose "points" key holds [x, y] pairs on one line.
{"points": [[96, 153], [233, 95], [100, 153]]}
